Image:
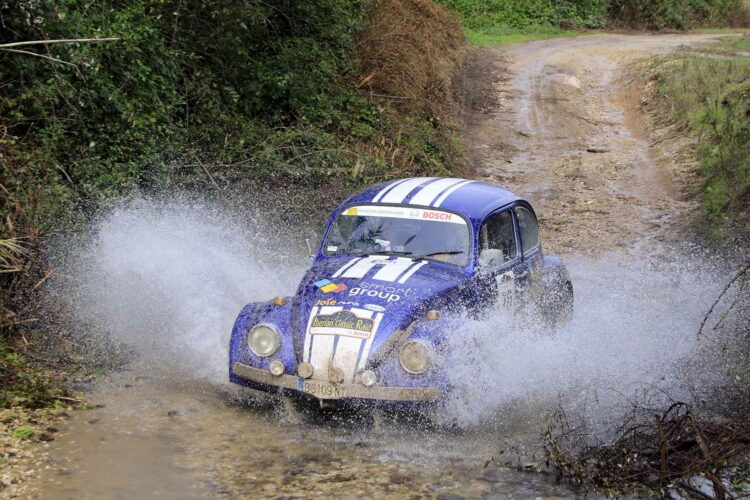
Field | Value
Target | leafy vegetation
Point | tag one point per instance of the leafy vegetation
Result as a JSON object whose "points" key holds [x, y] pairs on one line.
{"points": [[203, 93], [711, 97], [505, 21]]}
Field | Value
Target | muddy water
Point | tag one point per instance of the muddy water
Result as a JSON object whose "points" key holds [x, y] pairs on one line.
{"points": [[157, 438], [170, 282]]}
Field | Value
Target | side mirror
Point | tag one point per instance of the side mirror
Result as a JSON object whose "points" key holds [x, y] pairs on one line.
{"points": [[491, 257]]}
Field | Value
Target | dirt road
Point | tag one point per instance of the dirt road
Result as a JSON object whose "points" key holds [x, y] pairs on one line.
{"points": [[559, 122], [534, 110]]}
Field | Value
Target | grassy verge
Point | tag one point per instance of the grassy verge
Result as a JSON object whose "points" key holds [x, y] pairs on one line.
{"points": [[504, 35], [708, 95]]}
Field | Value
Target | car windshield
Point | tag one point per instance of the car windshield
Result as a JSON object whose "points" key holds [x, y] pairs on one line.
{"points": [[400, 230]]}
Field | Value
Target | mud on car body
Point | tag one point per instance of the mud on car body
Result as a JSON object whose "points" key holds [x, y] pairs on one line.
{"points": [[398, 268]]}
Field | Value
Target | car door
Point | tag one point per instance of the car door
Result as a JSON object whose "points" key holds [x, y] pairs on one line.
{"points": [[500, 264], [531, 250]]}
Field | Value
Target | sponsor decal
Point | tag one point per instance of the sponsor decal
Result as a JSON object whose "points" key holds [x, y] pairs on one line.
{"points": [[332, 248], [344, 323], [383, 292], [341, 338], [326, 302], [374, 307], [442, 216], [403, 213], [348, 303], [327, 286]]}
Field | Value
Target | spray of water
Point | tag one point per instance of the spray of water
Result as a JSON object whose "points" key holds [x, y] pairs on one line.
{"points": [[170, 277], [634, 330]]}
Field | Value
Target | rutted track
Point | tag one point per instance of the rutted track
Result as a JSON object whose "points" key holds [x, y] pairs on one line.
{"points": [[534, 110]]}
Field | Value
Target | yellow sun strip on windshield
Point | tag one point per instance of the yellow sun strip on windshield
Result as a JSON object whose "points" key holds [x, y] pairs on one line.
{"points": [[405, 213]]}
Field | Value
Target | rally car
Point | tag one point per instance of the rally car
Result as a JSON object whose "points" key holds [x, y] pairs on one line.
{"points": [[400, 267]]}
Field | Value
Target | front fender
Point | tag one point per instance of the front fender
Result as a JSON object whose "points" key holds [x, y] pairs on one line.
{"points": [[555, 270], [388, 368], [251, 315]]}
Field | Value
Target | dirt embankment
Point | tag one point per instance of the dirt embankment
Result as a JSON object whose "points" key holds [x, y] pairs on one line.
{"points": [[560, 122]]}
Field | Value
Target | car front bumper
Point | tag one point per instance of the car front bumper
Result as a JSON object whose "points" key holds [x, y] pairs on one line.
{"points": [[325, 390]]}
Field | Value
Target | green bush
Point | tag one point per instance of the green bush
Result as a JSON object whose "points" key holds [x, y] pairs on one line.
{"points": [[678, 14], [497, 19], [712, 97], [489, 14]]}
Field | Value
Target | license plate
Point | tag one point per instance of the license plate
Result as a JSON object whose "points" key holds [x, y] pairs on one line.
{"points": [[320, 389]]}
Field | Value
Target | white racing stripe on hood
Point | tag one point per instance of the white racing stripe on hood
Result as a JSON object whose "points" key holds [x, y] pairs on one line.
{"points": [[389, 271], [340, 351], [411, 271], [362, 267]]}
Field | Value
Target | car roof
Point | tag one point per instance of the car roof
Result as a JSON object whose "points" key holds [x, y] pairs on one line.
{"points": [[473, 199]]}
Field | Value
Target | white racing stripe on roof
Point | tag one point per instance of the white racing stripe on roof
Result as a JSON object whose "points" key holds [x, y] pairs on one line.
{"points": [[429, 193], [450, 192], [386, 189], [400, 192]]}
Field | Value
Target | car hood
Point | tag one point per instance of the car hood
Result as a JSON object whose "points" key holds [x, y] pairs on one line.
{"points": [[347, 308]]}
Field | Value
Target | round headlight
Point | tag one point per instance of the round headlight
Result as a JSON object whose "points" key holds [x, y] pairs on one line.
{"points": [[263, 340], [414, 358]]}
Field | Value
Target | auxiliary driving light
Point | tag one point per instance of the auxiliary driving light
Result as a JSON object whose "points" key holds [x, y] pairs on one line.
{"points": [[305, 370], [279, 301], [276, 368], [414, 358], [263, 340], [368, 378]]}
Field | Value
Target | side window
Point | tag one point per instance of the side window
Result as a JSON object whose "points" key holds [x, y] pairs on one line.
{"points": [[498, 239], [528, 228]]}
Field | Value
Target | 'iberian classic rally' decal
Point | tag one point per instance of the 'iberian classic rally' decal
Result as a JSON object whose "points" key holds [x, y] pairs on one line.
{"points": [[344, 323], [340, 338]]}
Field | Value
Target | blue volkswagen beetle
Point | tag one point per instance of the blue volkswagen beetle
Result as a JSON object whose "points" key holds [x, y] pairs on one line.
{"points": [[399, 267]]}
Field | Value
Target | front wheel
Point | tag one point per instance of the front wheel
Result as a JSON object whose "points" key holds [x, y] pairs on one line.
{"points": [[558, 306]]}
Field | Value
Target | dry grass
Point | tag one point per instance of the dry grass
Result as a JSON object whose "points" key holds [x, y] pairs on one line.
{"points": [[410, 51]]}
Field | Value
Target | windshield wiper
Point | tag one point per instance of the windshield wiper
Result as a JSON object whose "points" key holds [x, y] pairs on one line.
{"points": [[446, 252], [388, 252]]}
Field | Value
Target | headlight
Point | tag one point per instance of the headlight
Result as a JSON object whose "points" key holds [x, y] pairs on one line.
{"points": [[263, 340], [414, 358]]}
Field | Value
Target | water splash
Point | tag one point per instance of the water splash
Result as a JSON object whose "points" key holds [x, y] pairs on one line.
{"points": [[635, 325], [170, 277]]}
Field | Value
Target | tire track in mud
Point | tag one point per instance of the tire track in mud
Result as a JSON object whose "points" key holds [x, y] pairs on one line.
{"points": [[558, 122]]}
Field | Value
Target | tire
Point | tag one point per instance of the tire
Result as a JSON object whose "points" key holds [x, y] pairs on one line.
{"points": [[559, 303]]}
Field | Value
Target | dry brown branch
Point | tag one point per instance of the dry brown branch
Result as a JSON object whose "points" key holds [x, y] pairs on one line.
{"points": [[63, 40], [742, 272], [667, 449]]}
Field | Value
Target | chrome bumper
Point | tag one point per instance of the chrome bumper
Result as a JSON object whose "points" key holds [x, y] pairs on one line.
{"points": [[325, 390]]}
